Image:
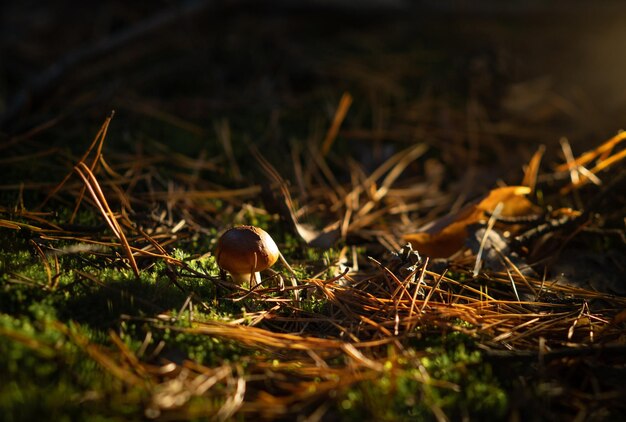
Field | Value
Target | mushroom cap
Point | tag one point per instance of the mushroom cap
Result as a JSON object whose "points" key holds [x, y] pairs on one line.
{"points": [[246, 250]]}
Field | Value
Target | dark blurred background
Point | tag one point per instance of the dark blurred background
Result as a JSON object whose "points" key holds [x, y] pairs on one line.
{"points": [[483, 82]]}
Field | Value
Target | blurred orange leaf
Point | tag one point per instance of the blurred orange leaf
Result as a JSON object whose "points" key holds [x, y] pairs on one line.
{"points": [[445, 236], [532, 170]]}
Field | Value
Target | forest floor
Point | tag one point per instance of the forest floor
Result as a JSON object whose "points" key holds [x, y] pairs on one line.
{"points": [[446, 188]]}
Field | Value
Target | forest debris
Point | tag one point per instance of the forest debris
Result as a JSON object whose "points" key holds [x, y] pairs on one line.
{"points": [[445, 236], [340, 115], [605, 156]]}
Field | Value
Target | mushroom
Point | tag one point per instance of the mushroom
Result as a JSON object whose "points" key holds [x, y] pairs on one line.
{"points": [[244, 251]]}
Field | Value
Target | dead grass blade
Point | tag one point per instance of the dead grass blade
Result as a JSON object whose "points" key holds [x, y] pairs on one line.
{"points": [[98, 141], [40, 347], [96, 192], [404, 158], [102, 356], [44, 261], [234, 401], [532, 169], [333, 130], [604, 157], [600, 152]]}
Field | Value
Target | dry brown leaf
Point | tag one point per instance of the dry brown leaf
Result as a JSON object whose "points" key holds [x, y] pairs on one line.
{"points": [[447, 235]]}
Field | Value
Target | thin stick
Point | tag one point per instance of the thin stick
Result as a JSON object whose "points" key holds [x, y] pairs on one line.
{"points": [[492, 221]]}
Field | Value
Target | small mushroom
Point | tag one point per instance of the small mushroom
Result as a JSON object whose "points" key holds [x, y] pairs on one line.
{"points": [[244, 251]]}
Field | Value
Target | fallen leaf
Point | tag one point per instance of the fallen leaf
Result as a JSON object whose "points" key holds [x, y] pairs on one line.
{"points": [[445, 236]]}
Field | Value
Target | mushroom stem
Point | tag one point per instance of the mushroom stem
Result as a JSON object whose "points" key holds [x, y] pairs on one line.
{"points": [[245, 279]]}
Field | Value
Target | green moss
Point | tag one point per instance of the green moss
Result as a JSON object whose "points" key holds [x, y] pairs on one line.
{"points": [[451, 378], [48, 377]]}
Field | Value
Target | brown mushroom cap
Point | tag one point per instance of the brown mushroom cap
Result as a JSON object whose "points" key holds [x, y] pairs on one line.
{"points": [[246, 250]]}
